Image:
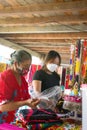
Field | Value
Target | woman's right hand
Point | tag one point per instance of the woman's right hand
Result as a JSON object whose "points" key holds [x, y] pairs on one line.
{"points": [[32, 102]]}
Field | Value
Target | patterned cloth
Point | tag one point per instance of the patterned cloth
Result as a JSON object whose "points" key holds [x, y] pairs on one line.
{"points": [[11, 91], [37, 116], [68, 124], [65, 126], [37, 126], [45, 119], [37, 119]]}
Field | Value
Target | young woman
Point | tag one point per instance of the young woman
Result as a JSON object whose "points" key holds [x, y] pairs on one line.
{"points": [[47, 76]]}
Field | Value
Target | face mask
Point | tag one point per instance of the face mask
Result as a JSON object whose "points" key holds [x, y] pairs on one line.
{"points": [[22, 71], [19, 69], [52, 67]]}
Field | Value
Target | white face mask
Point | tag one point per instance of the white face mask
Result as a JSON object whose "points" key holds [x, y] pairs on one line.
{"points": [[22, 71], [52, 67]]}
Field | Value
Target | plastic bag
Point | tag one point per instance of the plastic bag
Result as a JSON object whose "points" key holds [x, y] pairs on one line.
{"points": [[48, 97]]}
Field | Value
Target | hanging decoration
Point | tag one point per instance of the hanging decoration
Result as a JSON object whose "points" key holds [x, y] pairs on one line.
{"points": [[72, 49], [77, 72], [78, 61], [84, 62]]}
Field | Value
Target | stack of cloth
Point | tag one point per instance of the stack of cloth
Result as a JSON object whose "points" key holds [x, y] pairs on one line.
{"points": [[37, 119], [45, 119], [68, 124]]}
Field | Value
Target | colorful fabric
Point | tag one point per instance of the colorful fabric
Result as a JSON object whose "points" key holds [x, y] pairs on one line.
{"points": [[2, 67], [55, 127], [20, 125], [33, 68], [11, 91], [37, 116], [42, 122], [36, 126], [51, 126], [37, 119], [66, 126]]}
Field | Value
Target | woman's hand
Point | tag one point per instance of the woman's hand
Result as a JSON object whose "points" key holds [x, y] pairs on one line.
{"points": [[32, 102]]}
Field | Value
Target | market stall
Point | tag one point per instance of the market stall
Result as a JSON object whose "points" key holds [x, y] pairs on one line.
{"points": [[72, 107]]}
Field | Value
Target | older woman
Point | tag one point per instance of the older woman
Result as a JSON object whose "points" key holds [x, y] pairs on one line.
{"points": [[13, 87]]}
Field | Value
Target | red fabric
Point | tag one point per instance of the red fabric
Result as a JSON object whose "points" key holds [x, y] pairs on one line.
{"points": [[31, 72], [11, 91], [67, 82]]}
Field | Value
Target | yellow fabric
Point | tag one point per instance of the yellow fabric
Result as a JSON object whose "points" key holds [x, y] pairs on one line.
{"points": [[2, 67], [77, 66]]}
